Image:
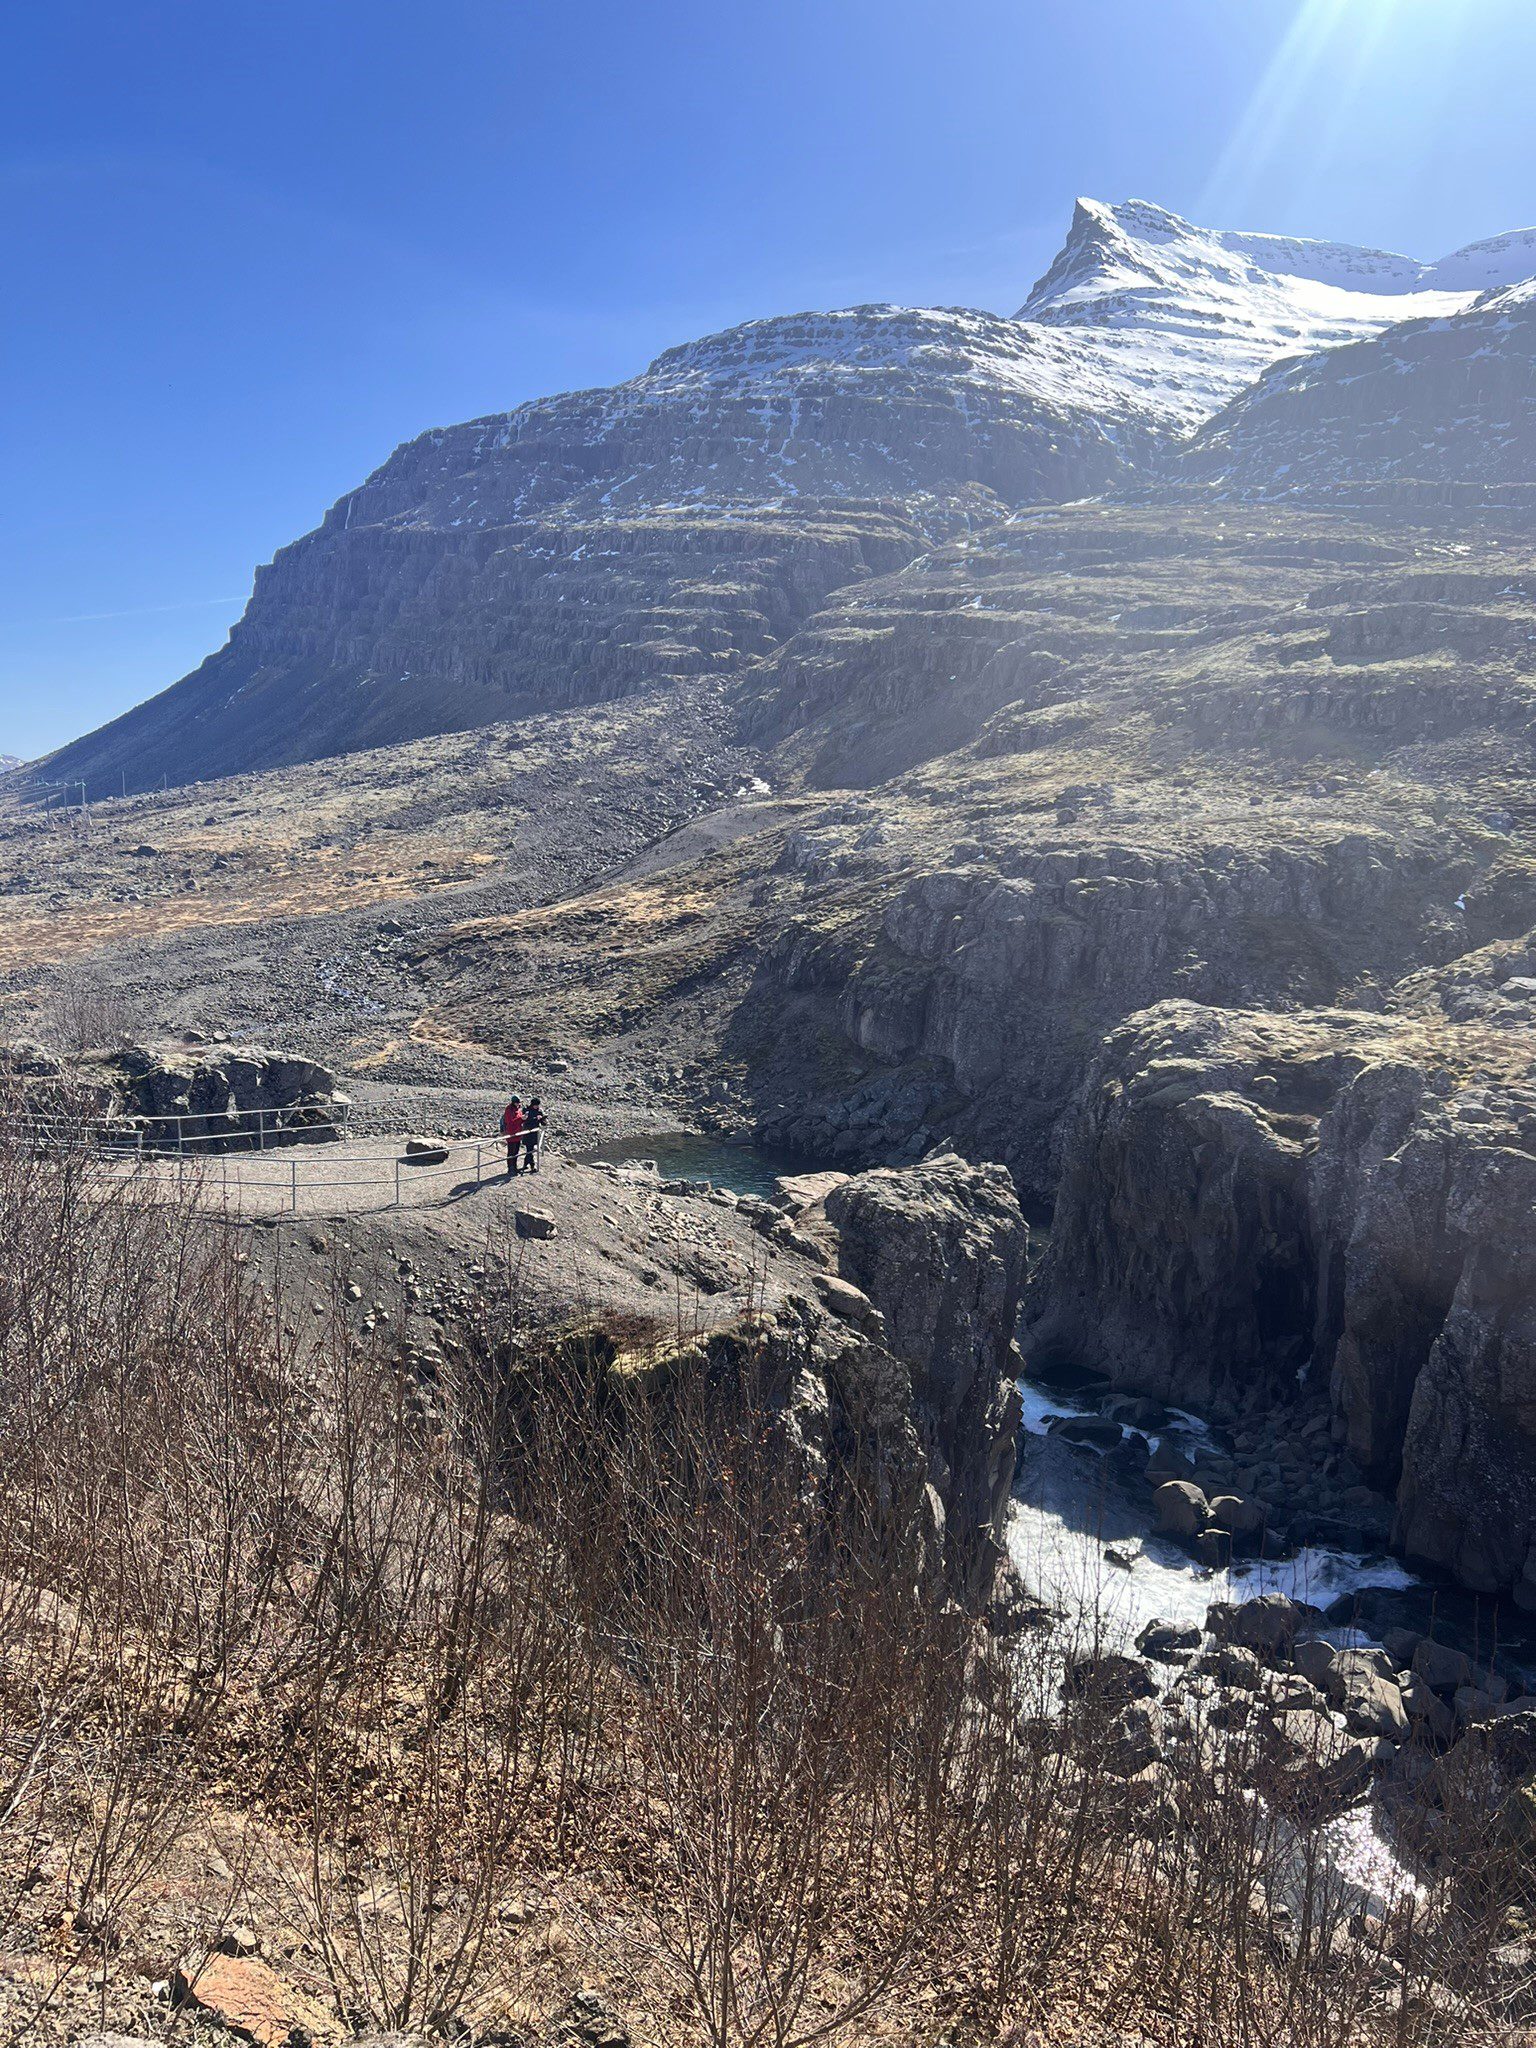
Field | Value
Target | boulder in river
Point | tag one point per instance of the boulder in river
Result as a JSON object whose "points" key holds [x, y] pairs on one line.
{"points": [[1181, 1508], [1268, 1625]]}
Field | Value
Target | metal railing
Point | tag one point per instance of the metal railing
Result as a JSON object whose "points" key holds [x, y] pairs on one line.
{"points": [[187, 1131], [312, 1180]]}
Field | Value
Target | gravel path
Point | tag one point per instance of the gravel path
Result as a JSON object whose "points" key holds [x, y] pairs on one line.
{"points": [[354, 1177]]}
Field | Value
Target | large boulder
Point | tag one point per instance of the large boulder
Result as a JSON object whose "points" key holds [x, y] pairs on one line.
{"points": [[225, 1098]]}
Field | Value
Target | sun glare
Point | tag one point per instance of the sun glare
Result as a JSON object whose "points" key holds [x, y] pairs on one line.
{"points": [[1323, 63]]}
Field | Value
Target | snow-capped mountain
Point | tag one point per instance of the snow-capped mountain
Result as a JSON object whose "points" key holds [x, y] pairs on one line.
{"points": [[683, 523], [1168, 321], [870, 402], [1433, 405]]}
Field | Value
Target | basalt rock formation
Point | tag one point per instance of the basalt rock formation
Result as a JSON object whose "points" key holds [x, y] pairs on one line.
{"points": [[222, 1099], [940, 1248], [1248, 1197]]}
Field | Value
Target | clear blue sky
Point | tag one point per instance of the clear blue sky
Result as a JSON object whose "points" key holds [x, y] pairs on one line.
{"points": [[251, 245]]}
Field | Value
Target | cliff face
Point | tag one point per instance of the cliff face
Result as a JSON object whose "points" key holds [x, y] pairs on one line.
{"points": [[1247, 1196], [363, 636], [940, 1248]]}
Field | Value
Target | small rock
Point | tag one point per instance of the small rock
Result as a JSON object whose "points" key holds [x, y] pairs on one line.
{"points": [[851, 1303], [1091, 1432], [1169, 1461], [1314, 1660], [1233, 1666], [1422, 1703], [1400, 1644], [1213, 1547], [1471, 1705], [1267, 1626], [251, 2000], [1240, 1517], [533, 1223], [1169, 1642], [1367, 1697], [1107, 1676]]}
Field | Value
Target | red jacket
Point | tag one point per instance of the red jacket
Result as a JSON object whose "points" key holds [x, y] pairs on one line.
{"points": [[511, 1122]]}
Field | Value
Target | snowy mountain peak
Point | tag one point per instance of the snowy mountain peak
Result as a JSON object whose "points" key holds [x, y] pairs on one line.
{"points": [[1169, 320], [1111, 249]]}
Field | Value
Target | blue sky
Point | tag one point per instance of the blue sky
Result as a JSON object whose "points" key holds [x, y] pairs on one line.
{"points": [[251, 245]]}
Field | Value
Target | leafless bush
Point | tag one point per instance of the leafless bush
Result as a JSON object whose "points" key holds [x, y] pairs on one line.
{"points": [[88, 1010]]}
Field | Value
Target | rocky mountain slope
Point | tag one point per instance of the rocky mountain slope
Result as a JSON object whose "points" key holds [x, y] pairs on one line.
{"points": [[1176, 319], [685, 523], [1435, 409]]}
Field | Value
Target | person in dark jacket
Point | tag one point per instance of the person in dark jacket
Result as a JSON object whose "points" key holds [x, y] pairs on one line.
{"points": [[512, 1131], [533, 1135]]}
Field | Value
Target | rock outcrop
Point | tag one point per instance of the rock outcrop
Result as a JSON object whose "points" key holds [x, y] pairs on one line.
{"points": [[1251, 1196], [223, 1099], [925, 1269], [940, 1248]]}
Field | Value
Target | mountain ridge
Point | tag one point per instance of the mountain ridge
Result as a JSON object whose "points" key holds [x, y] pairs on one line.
{"points": [[684, 522]]}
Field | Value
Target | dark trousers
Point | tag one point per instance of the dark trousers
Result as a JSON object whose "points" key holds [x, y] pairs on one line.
{"points": [[512, 1145], [533, 1145]]}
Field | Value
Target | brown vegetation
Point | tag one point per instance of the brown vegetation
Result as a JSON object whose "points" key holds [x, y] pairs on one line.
{"points": [[460, 1694]]}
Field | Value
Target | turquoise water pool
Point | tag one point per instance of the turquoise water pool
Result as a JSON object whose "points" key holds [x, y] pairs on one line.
{"points": [[684, 1155]]}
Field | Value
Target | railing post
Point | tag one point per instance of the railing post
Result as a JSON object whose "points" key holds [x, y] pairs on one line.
{"points": [[397, 1183], [294, 1171]]}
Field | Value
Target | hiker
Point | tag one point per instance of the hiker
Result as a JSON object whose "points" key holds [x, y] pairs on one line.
{"points": [[533, 1135], [512, 1131]]}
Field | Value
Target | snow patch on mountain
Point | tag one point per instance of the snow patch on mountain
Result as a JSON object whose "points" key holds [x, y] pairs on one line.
{"points": [[1433, 405]]}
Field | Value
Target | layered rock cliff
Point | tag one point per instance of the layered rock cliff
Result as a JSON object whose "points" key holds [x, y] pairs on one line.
{"points": [[1250, 1197]]}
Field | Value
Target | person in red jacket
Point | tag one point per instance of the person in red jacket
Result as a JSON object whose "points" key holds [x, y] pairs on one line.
{"points": [[512, 1130]]}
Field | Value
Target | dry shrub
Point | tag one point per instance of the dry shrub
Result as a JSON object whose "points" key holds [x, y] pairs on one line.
{"points": [[580, 1618]]}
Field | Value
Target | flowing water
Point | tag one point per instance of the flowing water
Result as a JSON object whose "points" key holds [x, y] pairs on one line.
{"points": [[1084, 1543], [1088, 1547]]}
